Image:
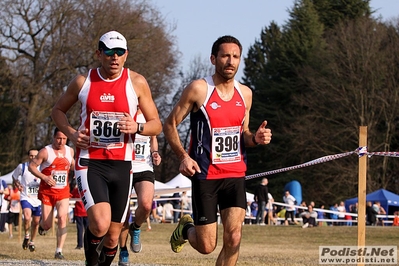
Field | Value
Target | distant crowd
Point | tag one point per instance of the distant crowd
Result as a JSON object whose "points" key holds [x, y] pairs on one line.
{"points": [[265, 210]]}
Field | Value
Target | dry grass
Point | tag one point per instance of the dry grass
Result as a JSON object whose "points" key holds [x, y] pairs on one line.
{"points": [[261, 245]]}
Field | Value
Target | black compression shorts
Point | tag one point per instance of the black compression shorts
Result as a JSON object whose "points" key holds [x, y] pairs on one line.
{"points": [[208, 195], [106, 181], [143, 176]]}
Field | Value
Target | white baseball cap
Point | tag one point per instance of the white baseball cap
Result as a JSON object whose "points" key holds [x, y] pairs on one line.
{"points": [[114, 39]]}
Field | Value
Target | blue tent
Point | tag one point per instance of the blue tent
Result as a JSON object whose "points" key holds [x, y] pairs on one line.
{"points": [[389, 201], [295, 189]]}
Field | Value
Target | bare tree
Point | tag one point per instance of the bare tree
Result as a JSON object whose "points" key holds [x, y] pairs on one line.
{"points": [[354, 83]]}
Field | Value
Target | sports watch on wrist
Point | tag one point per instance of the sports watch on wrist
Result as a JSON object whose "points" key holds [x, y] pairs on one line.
{"points": [[140, 127]]}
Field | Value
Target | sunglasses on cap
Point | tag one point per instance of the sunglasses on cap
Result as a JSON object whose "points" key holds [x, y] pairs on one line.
{"points": [[111, 52]]}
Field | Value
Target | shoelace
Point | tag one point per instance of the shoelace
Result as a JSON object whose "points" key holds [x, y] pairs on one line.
{"points": [[136, 236], [124, 256]]}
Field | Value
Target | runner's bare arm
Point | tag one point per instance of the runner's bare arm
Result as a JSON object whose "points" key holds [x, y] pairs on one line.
{"points": [[153, 125], [262, 135], [58, 114], [192, 98]]}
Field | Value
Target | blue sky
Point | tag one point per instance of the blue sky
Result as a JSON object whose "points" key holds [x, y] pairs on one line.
{"points": [[199, 23]]}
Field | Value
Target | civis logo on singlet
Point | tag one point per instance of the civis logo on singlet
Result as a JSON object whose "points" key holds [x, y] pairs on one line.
{"points": [[104, 130], [107, 98], [226, 144]]}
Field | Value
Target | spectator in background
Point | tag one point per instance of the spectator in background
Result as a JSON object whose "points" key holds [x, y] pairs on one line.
{"points": [[261, 197], [371, 214], [3, 203], [380, 211], [13, 195], [176, 206], [281, 214], [321, 215], [167, 212], [309, 217], [395, 219], [342, 210], [148, 221], [254, 208], [2, 187], [354, 211], [290, 209], [80, 217], [348, 217], [376, 207], [160, 210], [154, 214], [303, 207], [4, 215], [270, 209], [334, 214], [185, 202], [248, 214]]}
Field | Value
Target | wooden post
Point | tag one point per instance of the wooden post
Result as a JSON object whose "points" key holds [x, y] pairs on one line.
{"points": [[361, 219]]}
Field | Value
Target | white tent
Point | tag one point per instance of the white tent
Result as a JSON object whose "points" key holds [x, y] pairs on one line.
{"points": [[179, 181], [182, 182], [250, 196], [7, 177], [162, 189]]}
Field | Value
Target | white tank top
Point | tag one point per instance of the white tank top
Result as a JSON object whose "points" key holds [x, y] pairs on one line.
{"points": [[143, 158]]}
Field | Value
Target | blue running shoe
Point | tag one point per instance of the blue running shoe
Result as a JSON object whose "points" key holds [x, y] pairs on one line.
{"points": [[123, 258], [135, 242]]}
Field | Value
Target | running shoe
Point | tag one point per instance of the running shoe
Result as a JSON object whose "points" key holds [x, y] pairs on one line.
{"points": [[176, 240], [25, 243], [135, 242], [59, 256], [42, 232], [123, 258], [32, 247]]}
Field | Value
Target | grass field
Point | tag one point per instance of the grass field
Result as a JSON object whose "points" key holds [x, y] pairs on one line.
{"points": [[261, 245]]}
